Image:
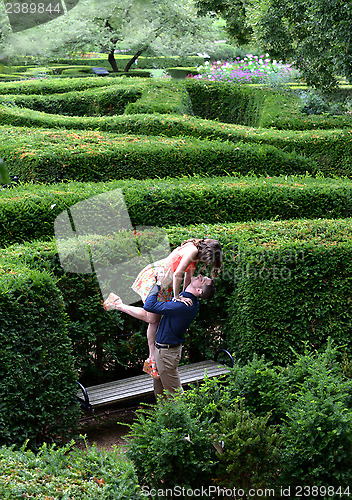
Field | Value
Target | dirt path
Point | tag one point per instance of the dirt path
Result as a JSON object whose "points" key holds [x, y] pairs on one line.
{"points": [[103, 428]]}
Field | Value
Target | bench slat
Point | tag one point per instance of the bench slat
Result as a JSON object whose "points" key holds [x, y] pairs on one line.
{"points": [[142, 385]]}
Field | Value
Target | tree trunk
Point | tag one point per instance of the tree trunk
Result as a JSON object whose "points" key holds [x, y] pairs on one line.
{"points": [[112, 61], [133, 59]]}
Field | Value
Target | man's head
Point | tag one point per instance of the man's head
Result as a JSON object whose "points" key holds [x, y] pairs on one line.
{"points": [[202, 286]]}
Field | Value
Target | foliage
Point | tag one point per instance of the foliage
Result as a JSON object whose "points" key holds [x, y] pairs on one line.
{"points": [[29, 211], [171, 447], [234, 12], [41, 155], [317, 437], [67, 472], [316, 103], [163, 27], [262, 387], [310, 438], [315, 33], [251, 450], [37, 372]]}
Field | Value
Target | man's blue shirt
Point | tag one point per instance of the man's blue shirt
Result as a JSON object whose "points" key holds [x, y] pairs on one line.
{"points": [[176, 316]]}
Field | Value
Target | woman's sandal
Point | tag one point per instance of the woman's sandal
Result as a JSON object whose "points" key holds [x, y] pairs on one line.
{"points": [[150, 368]]}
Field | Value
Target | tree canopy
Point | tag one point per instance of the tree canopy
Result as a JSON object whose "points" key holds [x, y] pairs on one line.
{"points": [[315, 34], [167, 27]]}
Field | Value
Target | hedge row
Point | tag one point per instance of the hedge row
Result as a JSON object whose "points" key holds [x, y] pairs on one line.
{"points": [[266, 265], [37, 375], [258, 106], [254, 105], [151, 97], [58, 85], [100, 101], [331, 149], [28, 212], [49, 156], [142, 62]]}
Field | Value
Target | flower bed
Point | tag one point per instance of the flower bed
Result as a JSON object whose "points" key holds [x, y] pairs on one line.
{"points": [[250, 69]]}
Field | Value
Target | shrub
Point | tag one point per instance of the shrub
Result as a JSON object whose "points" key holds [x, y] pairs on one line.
{"points": [[251, 451], [38, 379], [317, 436], [101, 101], [304, 262], [170, 448], [262, 387], [67, 472], [28, 212], [47, 156]]}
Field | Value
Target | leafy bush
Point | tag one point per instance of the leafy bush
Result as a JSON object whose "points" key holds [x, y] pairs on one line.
{"points": [[67, 472], [317, 435], [251, 455], [50, 156], [37, 373], [262, 387], [28, 212], [169, 447]]}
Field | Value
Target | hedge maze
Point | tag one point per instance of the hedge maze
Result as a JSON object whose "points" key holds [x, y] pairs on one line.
{"points": [[237, 163]]}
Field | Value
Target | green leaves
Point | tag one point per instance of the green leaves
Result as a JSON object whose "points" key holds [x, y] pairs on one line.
{"points": [[4, 174]]}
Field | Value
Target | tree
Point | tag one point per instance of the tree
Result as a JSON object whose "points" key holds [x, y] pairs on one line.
{"points": [[234, 12], [315, 34], [165, 26]]}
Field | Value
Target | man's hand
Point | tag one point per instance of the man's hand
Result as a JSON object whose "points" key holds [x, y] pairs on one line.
{"points": [[185, 300], [113, 302]]}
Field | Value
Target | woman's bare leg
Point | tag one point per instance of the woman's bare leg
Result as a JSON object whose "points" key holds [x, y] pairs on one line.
{"points": [[153, 320]]}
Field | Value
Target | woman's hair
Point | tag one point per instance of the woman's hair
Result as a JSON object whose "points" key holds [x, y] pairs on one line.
{"points": [[209, 252]]}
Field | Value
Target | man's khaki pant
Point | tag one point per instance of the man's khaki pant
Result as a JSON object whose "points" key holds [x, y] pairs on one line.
{"points": [[167, 361]]}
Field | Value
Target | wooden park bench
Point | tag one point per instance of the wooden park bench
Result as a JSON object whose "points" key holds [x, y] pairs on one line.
{"points": [[125, 390]]}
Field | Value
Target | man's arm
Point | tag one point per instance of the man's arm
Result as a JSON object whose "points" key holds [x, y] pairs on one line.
{"points": [[169, 308]]}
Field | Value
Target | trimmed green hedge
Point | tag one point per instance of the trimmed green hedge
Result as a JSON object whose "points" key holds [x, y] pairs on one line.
{"points": [[67, 472], [331, 149], [49, 156], [292, 286], [37, 373], [57, 85], [282, 284], [28, 212], [164, 98], [257, 106], [102, 101], [228, 103]]}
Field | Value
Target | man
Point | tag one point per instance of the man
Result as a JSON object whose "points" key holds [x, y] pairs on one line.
{"points": [[177, 315]]}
